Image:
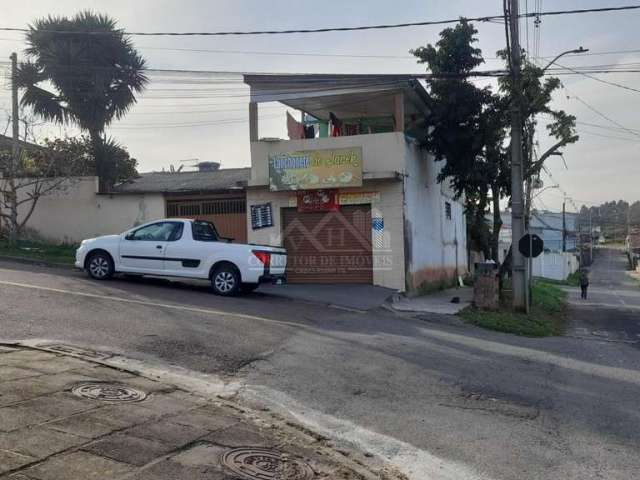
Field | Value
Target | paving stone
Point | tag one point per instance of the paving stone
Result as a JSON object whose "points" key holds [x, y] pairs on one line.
{"points": [[24, 389], [8, 372], [173, 402], [124, 415], [38, 442], [166, 432], [57, 365], [241, 436], [11, 460], [204, 419], [128, 449], [78, 466], [168, 470], [63, 381], [14, 358], [202, 455], [86, 425], [15, 417], [59, 405]]}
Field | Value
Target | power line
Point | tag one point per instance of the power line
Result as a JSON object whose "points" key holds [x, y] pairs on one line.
{"points": [[606, 82], [600, 114], [488, 18]]}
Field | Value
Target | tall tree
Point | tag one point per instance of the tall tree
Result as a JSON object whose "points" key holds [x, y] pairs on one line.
{"points": [[95, 73], [467, 129]]}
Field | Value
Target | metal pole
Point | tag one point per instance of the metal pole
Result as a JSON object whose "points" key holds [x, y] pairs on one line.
{"points": [[564, 226], [517, 201]]}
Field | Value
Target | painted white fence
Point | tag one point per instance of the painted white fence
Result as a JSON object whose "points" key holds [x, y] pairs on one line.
{"points": [[555, 265]]}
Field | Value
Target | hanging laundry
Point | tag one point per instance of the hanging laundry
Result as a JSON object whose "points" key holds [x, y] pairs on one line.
{"points": [[294, 128], [309, 131], [336, 125]]}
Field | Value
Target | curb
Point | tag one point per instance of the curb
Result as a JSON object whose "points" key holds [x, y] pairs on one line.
{"points": [[323, 447], [35, 261]]}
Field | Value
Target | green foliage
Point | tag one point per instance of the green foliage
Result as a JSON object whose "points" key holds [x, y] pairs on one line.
{"points": [[94, 70], [75, 156], [467, 126], [33, 250], [547, 315]]}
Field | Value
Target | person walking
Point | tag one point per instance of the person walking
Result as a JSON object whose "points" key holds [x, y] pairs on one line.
{"points": [[584, 282]]}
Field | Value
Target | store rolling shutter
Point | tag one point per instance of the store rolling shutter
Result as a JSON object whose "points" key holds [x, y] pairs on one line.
{"points": [[329, 247]]}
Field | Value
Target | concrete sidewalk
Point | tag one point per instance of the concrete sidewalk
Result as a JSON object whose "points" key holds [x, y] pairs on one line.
{"points": [[65, 418], [436, 302]]}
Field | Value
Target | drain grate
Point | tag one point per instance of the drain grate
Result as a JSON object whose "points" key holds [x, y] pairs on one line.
{"points": [[108, 392], [264, 464]]}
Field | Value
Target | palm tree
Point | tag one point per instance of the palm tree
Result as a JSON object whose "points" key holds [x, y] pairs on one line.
{"points": [[82, 70]]}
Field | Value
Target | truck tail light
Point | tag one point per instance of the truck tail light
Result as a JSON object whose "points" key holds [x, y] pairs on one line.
{"points": [[264, 257]]}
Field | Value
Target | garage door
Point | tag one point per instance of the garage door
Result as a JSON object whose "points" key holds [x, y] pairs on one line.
{"points": [[329, 247]]}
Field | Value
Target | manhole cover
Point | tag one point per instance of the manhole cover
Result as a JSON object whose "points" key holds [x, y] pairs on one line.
{"points": [[263, 464], [108, 392]]}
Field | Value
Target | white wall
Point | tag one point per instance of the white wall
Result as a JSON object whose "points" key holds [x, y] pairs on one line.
{"points": [[77, 212], [555, 265], [438, 246]]}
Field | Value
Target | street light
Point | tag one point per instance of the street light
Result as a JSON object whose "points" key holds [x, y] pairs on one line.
{"points": [[577, 50], [546, 188]]}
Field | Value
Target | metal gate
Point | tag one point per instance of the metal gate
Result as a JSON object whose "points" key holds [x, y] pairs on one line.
{"points": [[228, 214], [329, 247]]}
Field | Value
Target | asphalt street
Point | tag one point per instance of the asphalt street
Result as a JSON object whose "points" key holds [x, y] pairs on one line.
{"points": [[438, 399]]}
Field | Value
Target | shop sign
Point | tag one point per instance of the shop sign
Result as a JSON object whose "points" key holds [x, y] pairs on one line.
{"points": [[318, 201], [316, 169], [358, 198]]}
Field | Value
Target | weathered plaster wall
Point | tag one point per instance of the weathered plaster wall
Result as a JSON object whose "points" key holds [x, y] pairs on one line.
{"points": [[76, 213], [435, 246]]}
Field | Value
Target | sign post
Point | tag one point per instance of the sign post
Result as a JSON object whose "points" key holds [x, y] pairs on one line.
{"points": [[530, 246]]}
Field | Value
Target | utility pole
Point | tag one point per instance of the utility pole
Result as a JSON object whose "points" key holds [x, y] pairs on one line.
{"points": [[564, 225], [15, 153], [519, 277]]}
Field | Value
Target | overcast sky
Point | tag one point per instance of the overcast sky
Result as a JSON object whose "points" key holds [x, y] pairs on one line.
{"points": [[165, 131]]}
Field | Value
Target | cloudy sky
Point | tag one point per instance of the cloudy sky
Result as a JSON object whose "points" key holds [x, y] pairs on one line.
{"points": [[174, 122]]}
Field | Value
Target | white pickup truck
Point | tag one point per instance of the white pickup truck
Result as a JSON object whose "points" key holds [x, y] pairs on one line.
{"points": [[183, 248]]}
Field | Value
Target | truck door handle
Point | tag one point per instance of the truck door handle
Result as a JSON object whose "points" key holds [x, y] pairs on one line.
{"points": [[159, 247]]}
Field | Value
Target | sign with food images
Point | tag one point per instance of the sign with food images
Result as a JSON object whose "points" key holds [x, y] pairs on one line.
{"points": [[318, 201], [316, 169]]}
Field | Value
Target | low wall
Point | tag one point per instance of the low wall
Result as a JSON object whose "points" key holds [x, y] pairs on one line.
{"points": [[77, 212], [555, 266]]}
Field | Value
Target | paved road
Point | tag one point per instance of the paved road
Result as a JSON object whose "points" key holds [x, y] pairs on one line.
{"points": [[438, 399]]}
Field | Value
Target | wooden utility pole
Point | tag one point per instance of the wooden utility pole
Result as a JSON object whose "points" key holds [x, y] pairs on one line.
{"points": [[15, 151], [519, 277]]}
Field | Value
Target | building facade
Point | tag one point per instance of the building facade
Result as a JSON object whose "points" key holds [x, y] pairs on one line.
{"points": [[361, 205]]}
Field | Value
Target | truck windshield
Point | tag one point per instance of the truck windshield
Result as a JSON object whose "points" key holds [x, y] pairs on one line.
{"points": [[204, 231]]}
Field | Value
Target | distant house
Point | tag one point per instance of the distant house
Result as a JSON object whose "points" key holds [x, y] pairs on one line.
{"points": [[547, 225]]}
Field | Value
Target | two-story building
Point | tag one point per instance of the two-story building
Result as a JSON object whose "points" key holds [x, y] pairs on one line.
{"points": [[351, 194]]}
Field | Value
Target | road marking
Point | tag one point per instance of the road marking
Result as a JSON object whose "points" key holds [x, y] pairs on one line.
{"points": [[611, 373], [184, 308]]}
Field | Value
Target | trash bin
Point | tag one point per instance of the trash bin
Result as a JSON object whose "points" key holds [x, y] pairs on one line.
{"points": [[486, 286]]}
